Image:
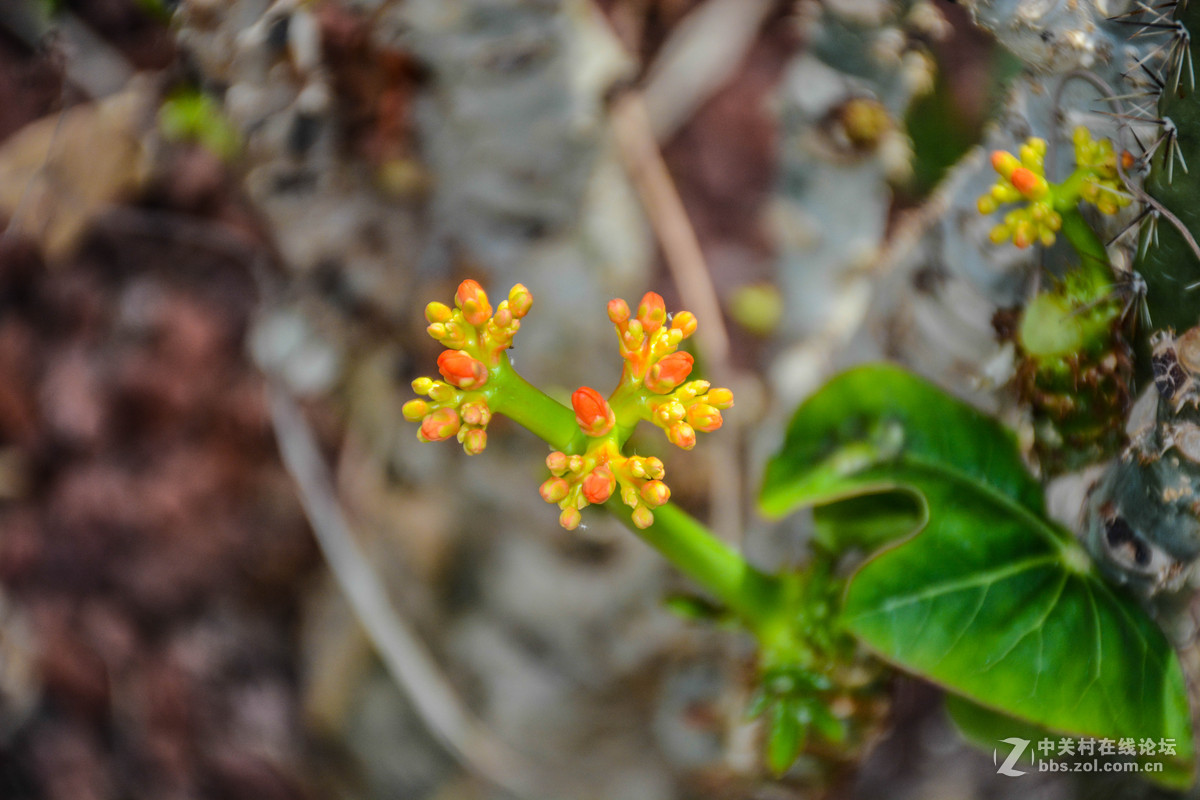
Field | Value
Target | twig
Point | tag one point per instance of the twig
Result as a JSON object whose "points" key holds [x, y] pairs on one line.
{"points": [[681, 248], [701, 54], [410, 665]]}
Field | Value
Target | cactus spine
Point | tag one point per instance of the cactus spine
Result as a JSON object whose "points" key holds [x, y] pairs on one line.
{"points": [[1168, 261], [1142, 521]]}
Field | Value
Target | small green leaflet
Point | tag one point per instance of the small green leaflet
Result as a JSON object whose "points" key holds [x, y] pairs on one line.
{"points": [[991, 599]]}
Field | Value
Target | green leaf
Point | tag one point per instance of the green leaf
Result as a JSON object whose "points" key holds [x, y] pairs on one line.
{"points": [[868, 522], [991, 600], [984, 727], [875, 415], [786, 735], [829, 727]]}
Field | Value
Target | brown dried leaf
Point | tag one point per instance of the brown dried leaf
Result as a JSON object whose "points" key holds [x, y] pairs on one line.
{"points": [[60, 172]]}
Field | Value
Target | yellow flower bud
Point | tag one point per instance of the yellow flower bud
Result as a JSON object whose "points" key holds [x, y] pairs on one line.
{"points": [[643, 517], [438, 312], [415, 410]]}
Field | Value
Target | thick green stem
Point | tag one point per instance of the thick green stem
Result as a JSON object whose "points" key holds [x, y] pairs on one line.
{"points": [[519, 400], [753, 595], [1093, 256], [1072, 319]]}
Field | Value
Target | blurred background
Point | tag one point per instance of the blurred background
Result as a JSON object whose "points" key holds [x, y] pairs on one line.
{"points": [[221, 223]]}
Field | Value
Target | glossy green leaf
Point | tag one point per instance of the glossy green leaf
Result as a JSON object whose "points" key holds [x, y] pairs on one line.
{"points": [[841, 441], [985, 727], [867, 522], [990, 599]]}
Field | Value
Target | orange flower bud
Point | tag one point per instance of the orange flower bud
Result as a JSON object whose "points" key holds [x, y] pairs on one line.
{"points": [[720, 398], [461, 370], [643, 517], [704, 417], [655, 493], [1028, 183], [473, 301], [520, 300], [592, 412], [599, 484], [1004, 162], [557, 463], [437, 312], [474, 441], [476, 413], [682, 435], [441, 424], [1023, 235], [668, 372], [415, 410], [652, 311], [618, 311], [570, 518], [554, 489]]}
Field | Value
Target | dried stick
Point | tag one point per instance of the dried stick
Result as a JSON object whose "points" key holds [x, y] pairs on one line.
{"points": [[410, 665], [699, 57]]}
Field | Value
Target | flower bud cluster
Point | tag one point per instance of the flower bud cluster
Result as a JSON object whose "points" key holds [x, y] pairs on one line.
{"points": [[1023, 180], [577, 481], [1102, 187], [690, 408], [449, 411], [650, 349], [476, 336], [647, 340], [473, 326], [654, 386]]}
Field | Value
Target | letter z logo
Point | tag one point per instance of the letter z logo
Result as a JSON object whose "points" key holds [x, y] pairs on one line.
{"points": [[1018, 748]]}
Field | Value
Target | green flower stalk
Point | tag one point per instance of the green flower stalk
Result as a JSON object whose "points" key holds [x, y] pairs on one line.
{"points": [[588, 465], [654, 386]]}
